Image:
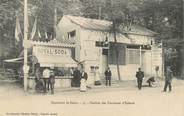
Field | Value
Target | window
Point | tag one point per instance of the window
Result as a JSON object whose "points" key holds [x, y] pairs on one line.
{"points": [[72, 34], [133, 56], [121, 53]]}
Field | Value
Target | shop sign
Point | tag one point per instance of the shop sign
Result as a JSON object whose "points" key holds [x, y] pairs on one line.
{"points": [[41, 50]]}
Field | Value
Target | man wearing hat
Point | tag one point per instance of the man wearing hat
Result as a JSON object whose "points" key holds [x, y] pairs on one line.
{"points": [[168, 78], [139, 75], [52, 80], [108, 75]]}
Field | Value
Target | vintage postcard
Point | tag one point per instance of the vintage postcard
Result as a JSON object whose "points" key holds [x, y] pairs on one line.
{"points": [[91, 57]]}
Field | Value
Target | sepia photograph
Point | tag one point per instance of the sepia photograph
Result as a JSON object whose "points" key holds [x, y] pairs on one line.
{"points": [[91, 58]]}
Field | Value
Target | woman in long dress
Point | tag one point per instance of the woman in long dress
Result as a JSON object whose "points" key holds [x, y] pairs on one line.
{"points": [[97, 76]]}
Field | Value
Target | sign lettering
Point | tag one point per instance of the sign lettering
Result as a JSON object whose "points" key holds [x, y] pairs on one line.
{"points": [[52, 51]]}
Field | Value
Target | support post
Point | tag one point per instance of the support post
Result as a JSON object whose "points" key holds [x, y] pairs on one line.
{"points": [[25, 67], [151, 58], [140, 53], [108, 54], [99, 12]]}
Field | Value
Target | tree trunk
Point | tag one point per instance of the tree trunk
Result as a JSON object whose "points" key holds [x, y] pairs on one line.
{"points": [[116, 50], [182, 68]]}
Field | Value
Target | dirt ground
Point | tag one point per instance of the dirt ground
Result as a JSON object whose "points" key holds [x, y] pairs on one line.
{"points": [[107, 101]]}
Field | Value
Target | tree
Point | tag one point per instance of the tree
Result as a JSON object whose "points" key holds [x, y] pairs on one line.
{"points": [[162, 16], [42, 10], [123, 13], [8, 9], [45, 13]]}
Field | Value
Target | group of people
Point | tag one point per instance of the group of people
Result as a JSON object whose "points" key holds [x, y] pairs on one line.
{"points": [[168, 79], [46, 80], [79, 79], [49, 80]]}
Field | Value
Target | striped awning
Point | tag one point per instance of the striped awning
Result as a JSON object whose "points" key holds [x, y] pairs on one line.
{"points": [[56, 61]]}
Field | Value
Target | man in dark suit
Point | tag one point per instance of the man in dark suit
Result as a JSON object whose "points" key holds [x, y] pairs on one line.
{"points": [[108, 75], [139, 75], [168, 78]]}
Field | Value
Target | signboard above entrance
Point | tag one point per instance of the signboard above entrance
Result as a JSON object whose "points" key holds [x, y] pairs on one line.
{"points": [[42, 50], [53, 56]]}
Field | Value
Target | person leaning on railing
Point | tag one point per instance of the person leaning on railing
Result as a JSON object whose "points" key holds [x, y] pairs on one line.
{"points": [[52, 81]]}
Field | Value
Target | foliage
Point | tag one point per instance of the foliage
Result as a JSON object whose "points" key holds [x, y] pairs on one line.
{"points": [[165, 17], [162, 16], [42, 10], [45, 12]]}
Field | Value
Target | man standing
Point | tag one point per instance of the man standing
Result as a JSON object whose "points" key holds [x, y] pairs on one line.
{"points": [[46, 76], [52, 81], [108, 75], [139, 75], [168, 78]]}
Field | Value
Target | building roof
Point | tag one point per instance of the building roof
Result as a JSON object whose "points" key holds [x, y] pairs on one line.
{"points": [[53, 43], [88, 23], [140, 30], [104, 25]]}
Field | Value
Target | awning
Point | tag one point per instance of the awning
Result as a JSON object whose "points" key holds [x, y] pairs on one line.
{"points": [[15, 60], [56, 61]]}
